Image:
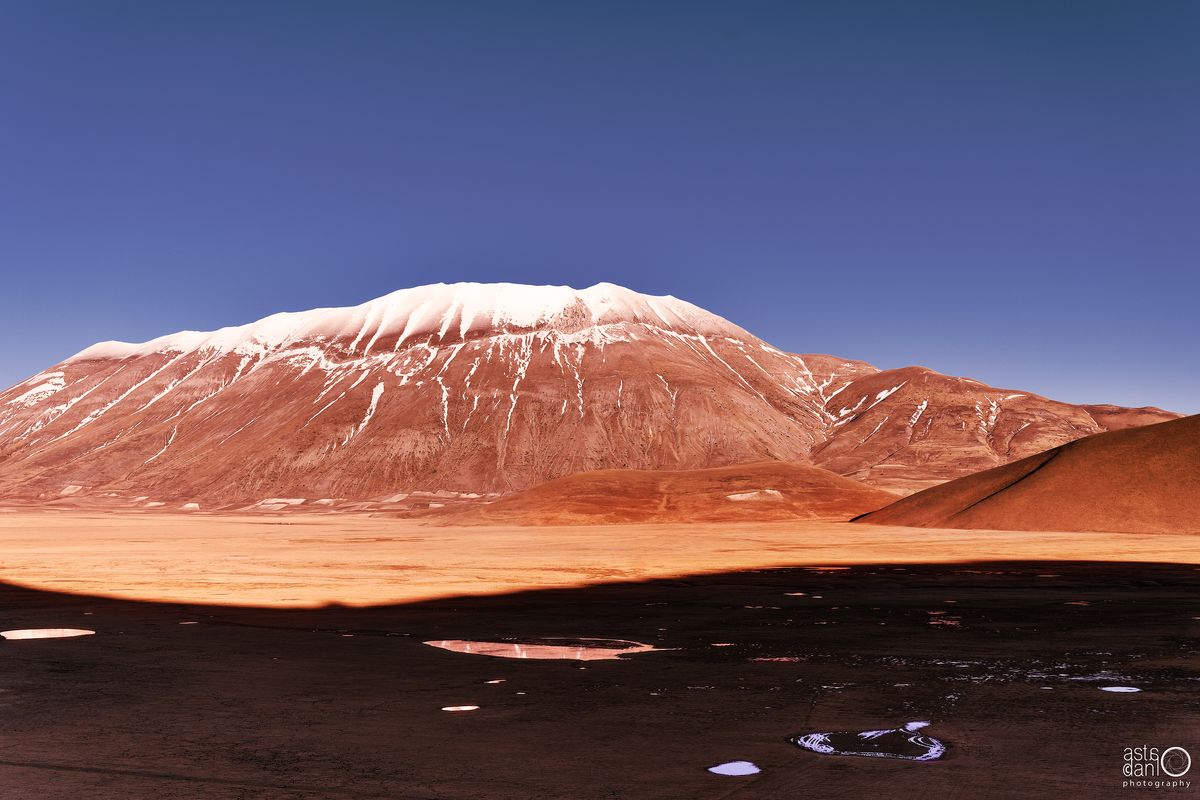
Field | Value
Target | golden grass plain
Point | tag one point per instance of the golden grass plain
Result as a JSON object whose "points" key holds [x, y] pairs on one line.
{"points": [[302, 560]]}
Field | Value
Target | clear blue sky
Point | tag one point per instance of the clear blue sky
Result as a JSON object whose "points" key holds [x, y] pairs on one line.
{"points": [[1006, 190]]}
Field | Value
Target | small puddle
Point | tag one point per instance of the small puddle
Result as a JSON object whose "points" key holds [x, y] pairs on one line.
{"points": [[735, 768], [460, 708], [45, 633], [581, 649], [1120, 689], [903, 743]]}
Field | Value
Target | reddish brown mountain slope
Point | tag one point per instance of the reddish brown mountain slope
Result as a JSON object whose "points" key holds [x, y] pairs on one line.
{"points": [[1140, 480], [768, 490], [472, 388], [913, 427]]}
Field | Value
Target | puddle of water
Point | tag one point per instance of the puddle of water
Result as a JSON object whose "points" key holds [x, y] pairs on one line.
{"points": [[460, 708], [581, 649], [1120, 689], [45, 633], [735, 768], [902, 743]]}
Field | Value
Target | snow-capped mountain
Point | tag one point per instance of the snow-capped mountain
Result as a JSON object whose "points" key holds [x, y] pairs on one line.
{"points": [[489, 388]]}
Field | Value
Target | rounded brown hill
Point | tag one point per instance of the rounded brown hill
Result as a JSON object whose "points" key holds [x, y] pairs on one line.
{"points": [[760, 491], [1140, 480]]}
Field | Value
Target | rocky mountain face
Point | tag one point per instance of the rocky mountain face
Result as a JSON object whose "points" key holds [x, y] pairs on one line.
{"points": [[912, 427], [473, 389]]}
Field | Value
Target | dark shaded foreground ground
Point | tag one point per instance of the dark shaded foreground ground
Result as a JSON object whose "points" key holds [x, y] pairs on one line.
{"points": [[337, 702]]}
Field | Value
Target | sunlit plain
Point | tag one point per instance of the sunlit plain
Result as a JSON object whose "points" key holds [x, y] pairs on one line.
{"points": [[302, 561]]}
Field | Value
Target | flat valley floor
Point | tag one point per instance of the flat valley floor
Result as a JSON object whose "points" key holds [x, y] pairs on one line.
{"points": [[219, 668]]}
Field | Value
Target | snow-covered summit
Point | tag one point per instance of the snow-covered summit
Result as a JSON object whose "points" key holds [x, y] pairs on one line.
{"points": [[445, 312]]}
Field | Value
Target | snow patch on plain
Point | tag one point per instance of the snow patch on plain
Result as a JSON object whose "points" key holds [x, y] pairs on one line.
{"points": [[758, 494]]}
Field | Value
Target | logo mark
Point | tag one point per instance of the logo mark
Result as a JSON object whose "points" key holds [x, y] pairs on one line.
{"points": [[1175, 762], [1148, 767]]}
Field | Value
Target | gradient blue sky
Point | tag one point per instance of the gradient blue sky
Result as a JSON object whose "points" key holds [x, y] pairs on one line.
{"points": [[1005, 190]]}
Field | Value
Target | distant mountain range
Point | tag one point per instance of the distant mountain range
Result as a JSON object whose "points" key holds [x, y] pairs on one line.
{"points": [[484, 389]]}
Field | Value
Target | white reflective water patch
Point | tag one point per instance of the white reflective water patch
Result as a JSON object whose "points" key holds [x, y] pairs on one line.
{"points": [[546, 648], [902, 743], [45, 633], [460, 708], [735, 768], [1120, 689]]}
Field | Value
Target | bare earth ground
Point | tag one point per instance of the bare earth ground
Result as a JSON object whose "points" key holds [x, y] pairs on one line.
{"points": [[344, 701]]}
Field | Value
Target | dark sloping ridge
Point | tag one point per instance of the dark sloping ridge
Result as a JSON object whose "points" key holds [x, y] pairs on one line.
{"points": [[769, 490], [1139, 480]]}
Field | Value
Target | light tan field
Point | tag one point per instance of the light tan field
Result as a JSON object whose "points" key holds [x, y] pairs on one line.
{"points": [[306, 561]]}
